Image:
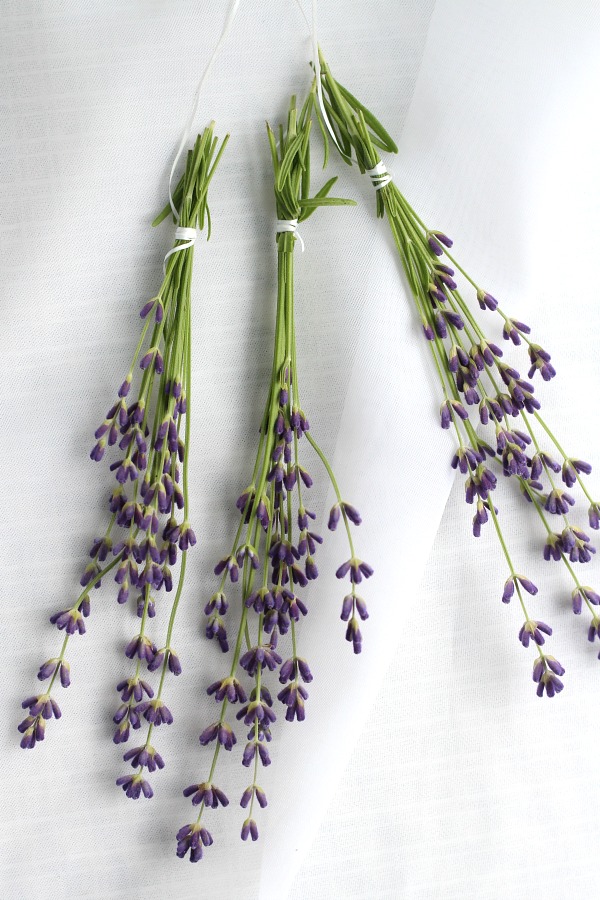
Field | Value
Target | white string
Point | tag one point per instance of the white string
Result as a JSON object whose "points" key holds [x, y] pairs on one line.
{"points": [[304, 16], [187, 130], [317, 65], [290, 225], [379, 175], [181, 234]]}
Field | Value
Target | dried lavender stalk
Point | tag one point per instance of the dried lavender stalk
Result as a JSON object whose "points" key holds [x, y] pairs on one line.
{"points": [[273, 551], [473, 377], [151, 428]]}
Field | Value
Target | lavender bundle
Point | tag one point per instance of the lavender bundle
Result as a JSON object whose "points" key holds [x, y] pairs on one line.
{"points": [[476, 382], [150, 504], [273, 552]]}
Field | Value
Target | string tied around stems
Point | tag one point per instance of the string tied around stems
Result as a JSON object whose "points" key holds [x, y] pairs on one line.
{"points": [[379, 175], [187, 235], [291, 226]]}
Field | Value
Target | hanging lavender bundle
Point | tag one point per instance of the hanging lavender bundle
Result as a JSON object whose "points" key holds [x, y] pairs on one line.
{"points": [[272, 555], [476, 383], [149, 427]]}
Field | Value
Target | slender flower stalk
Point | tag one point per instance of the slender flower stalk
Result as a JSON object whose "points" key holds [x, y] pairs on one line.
{"points": [[272, 555], [149, 506], [477, 384]]}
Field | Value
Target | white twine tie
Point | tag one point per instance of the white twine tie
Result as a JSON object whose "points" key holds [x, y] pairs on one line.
{"points": [[188, 235], [379, 175], [290, 225]]}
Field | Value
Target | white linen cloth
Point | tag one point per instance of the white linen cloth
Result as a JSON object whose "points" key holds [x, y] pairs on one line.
{"points": [[95, 100]]}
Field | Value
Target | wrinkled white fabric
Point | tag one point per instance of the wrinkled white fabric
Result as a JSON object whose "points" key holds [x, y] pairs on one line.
{"points": [[94, 102]]}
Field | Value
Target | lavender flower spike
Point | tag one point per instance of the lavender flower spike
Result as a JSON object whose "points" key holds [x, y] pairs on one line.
{"points": [[273, 553], [473, 377], [149, 531]]}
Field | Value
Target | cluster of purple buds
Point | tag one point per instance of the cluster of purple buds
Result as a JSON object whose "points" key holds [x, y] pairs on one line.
{"points": [[476, 376], [40, 709]]}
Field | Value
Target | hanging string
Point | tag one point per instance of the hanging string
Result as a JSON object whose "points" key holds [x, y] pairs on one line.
{"points": [[188, 127], [312, 29]]}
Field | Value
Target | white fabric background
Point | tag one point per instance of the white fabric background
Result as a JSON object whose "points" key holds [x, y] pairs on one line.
{"points": [[461, 783]]}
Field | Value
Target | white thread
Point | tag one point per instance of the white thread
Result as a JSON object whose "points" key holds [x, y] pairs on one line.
{"points": [[188, 235], [317, 65], [186, 132], [290, 225], [379, 175]]}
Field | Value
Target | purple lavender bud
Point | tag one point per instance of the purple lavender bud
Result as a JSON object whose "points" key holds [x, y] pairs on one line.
{"points": [[134, 785], [187, 537], [486, 301], [142, 647], [69, 620], [440, 326], [209, 734], [591, 595], [576, 600], [436, 294], [361, 608], [311, 569], [147, 359], [555, 666], [47, 669], [558, 502], [535, 630], [509, 590], [445, 415], [126, 385], [446, 241], [593, 633], [287, 671], [446, 279], [594, 516], [434, 245], [155, 712], [249, 753], [228, 563], [334, 517], [454, 319], [459, 409], [249, 828], [527, 585], [173, 663], [98, 451], [352, 513], [147, 307], [553, 547], [225, 736], [353, 635]]}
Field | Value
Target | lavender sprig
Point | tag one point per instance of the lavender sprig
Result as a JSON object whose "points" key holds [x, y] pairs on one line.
{"points": [[475, 378], [151, 428], [273, 553]]}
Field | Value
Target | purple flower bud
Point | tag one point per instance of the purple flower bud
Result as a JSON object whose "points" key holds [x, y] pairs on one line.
{"points": [[249, 828], [334, 517], [486, 301], [134, 785], [353, 635], [509, 590]]}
